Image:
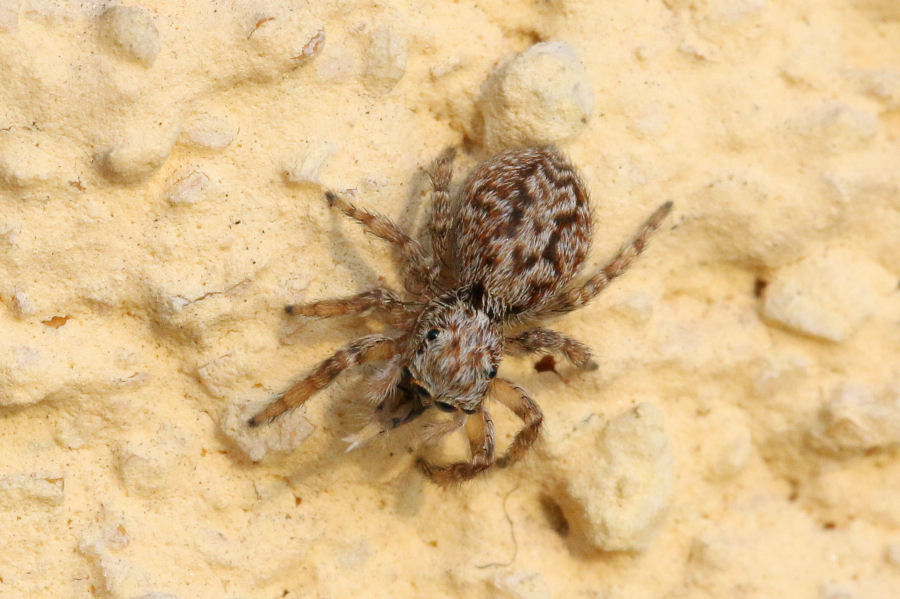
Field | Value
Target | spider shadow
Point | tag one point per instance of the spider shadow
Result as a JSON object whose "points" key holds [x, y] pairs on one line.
{"points": [[413, 219], [573, 534], [410, 220], [345, 253], [336, 332], [382, 459]]}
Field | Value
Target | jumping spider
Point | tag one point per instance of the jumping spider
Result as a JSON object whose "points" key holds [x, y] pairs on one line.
{"points": [[502, 255]]}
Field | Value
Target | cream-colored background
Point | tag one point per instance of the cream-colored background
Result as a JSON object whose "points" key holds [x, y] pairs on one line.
{"points": [[161, 171]]}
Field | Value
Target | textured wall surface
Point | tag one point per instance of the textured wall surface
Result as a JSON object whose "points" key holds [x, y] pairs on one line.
{"points": [[161, 178]]}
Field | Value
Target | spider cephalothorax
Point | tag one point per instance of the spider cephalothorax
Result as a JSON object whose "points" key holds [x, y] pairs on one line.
{"points": [[509, 247], [454, 351]]}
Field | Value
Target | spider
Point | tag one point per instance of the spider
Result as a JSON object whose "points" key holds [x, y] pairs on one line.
{"points": [[502, 255]]}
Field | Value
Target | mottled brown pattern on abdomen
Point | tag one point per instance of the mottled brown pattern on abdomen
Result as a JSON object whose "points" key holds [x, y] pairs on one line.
{"points": [[522, 230]]}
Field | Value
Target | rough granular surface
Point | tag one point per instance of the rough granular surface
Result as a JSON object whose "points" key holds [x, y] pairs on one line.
{"points": [[162, 169]]}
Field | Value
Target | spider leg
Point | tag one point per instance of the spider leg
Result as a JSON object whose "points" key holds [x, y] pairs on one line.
{"points": [[579, 296], [378, 393], [419, 268], [440, 173], [357, 352], [480, 431], [378, 298], [433, 432], [515, 398], [542, 340], [393, 411]]}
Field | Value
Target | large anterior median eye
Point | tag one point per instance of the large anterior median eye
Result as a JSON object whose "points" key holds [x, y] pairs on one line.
{"points": [[444, 407]]}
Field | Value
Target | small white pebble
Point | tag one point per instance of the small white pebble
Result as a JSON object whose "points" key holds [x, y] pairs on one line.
{"points": [[189, 189], [29, 158], [444, 68], [117, 573], [826, 295], [18, 491], [710, 551], [305, 168], [22, 305], [207, 131], [540, 96], [110, 533], [142, 149], [281, 41], [854, 420], [222, 375], [145, 463], [175, 303], [313, 47], [385, 62], [130, 30], [9, 233], [882, 84], [892, 554], [617, 502], [698, 51], [284, 434]]}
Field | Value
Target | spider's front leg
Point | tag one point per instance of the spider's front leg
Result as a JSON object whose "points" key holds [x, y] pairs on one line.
{"points": [[542, 340], [515, 398], [363, 349], [480, 431], [441, 173], [419, 268], [579, 296], [378, 298]]}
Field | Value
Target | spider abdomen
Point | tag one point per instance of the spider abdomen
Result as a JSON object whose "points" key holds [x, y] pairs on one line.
{"points": [[522, 230]]}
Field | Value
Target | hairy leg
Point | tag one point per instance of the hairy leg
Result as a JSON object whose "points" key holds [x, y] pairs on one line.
{"points": [[515, 398], [378, 393], [440, 173], [480, 431], [542, 340], [434, 432], [419, 269], [378, 298], [579, 296], [363, 349]]}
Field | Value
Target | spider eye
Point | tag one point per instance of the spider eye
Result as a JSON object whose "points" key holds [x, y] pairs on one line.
{"points": [[432, 334], [444, 407], [492, 372]]}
